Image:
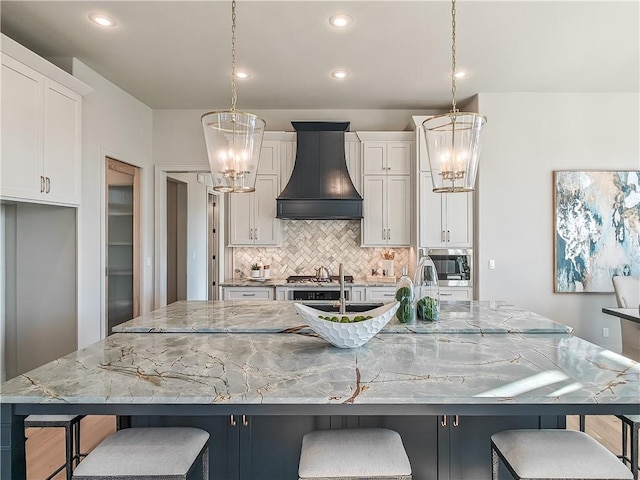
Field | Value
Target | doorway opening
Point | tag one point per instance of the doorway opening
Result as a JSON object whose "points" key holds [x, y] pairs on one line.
{"points": [[177, 221], [123, 242]]}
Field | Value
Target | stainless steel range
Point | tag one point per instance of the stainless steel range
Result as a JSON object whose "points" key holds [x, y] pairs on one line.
{"points": [[313, 288]]}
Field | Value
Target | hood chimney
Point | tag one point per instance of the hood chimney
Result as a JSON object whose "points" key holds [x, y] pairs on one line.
{"points": [[320, 187]]}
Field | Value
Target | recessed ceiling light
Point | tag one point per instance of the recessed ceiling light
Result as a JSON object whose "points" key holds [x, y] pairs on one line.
{"points": [[340, 20], [242, 74], [340, 74], [460, 74], [102, 20]]}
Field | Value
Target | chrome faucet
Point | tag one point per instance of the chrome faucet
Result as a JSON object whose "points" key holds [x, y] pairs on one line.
{"points": [[342, 299]]}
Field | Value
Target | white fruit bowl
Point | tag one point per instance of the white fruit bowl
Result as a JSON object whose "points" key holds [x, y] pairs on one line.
{"points": [[348, 335]]}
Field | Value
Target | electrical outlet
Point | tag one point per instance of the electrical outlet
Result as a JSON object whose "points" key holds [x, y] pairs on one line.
{"points": [[492, 264], [605, 332]]}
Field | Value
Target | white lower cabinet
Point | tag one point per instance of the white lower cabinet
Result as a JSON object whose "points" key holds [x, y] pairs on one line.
{"points": [[387, 210], [381, 294], [247, 293], [455, 293]]}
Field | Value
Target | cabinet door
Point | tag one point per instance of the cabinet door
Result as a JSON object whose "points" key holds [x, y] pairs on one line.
{"points": [[398, 210], [21, 131], [374, 158], [241, 218], [381, 294], [459, 215], [399, 158], [432, 229], [266, 225], [470, 445], [287, 160], [375, 201], [455, 293], [269, 158], [247, 293], [61, 143], [270, 445]]}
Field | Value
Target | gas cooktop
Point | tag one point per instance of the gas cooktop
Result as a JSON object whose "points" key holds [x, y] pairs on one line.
{"points": [[314, 279]]}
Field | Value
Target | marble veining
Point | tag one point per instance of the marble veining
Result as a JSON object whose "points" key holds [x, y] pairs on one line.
{"points": [[390, 369], [245, 316]]}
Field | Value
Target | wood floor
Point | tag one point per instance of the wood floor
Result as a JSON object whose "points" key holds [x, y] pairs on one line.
{"points": [[45, 446]]}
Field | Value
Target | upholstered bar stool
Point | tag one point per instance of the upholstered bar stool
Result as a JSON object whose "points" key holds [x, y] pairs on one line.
{"points": [[554, 455], [367, 453], [71, 425], [169, 453]]}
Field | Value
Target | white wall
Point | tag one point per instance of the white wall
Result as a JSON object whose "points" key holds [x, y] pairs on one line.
{"points": [[114, 124], [528, 136]]}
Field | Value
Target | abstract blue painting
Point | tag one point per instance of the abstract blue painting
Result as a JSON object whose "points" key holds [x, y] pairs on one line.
{"points": [[597, 229]]}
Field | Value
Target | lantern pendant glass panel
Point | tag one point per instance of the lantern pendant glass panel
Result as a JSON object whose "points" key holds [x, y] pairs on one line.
{"points": [[234, 141], [453, 146]]}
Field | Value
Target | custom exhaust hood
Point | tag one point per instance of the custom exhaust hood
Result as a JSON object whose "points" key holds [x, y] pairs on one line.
{"points": [[320, 187]]}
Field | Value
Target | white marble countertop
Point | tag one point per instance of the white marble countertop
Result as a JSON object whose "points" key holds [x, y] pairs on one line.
{"points": [[289, 369], [246, 316]]}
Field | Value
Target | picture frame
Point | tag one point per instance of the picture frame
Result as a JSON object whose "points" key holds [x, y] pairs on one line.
{"points": [[596, 229]]}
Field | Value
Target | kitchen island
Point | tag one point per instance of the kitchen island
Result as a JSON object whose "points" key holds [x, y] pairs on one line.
{"points": [[444, 392]]}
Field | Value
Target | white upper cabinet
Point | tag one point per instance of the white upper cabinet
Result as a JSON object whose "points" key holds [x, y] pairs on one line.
{"points": [[387, 188], [252, 216], [387, 210], [386, 157], [41, 131], [446, 219]]}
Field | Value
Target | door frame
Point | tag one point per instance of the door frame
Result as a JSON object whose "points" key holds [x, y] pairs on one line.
{"points": [[160, 241]]}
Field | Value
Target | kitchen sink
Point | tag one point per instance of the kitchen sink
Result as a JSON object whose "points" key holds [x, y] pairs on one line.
{"points": [[349, 307]]}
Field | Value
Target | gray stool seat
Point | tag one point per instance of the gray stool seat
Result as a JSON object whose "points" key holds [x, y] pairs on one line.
{"points": [[556, 455], [147, 453], [367, 453], [71, 425]]}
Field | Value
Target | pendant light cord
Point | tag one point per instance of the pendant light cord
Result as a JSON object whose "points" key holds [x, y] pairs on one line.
{"points": [[234, 95], [454, 108]]}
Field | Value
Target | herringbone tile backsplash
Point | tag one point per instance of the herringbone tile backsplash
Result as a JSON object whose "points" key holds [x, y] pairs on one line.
{"points": [[308, 244]]}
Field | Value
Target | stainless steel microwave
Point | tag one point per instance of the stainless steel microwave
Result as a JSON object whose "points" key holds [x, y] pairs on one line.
{"points": [[454, 265]]}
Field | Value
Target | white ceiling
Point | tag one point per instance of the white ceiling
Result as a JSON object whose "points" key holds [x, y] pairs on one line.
{"points": [[176, 54]]}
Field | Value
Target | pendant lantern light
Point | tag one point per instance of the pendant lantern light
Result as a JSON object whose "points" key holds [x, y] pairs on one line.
{"points": [[233, 138], [454, 139]]}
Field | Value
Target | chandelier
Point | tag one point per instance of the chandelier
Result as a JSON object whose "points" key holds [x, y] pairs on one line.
{"points": [[453, 139], [233, 138]]}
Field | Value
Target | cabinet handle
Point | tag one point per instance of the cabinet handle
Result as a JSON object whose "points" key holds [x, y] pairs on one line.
{"points": [[456, 421], [389, 295], [443, 422], [446, 294], [255, 233], [41, 184], [232, 421], [251, 234], [245, 421], [442, 239], [48, 184], [248, 294], [384, 233], [448, 236], [389, 234]]}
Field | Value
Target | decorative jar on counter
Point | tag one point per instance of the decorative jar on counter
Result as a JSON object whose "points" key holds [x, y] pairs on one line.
{"points": [[405, 295], [427, 291]]}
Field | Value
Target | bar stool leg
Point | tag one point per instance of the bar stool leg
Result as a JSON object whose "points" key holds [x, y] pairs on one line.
{"points": [[205, 463], [634, 450], [582, 423], [495, 464], [68, 443]]}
